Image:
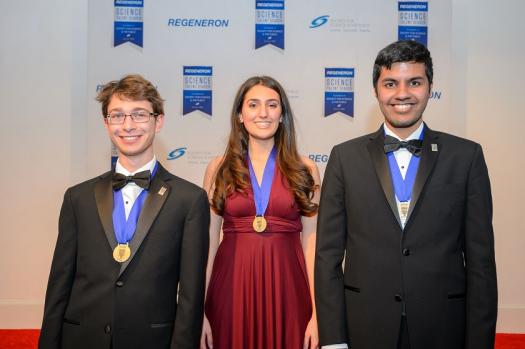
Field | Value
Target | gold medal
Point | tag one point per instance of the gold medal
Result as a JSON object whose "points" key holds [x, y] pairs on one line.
{"points": [[121, 253], [259, 224]]}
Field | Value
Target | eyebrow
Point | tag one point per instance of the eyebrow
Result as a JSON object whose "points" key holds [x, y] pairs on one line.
{"points": [[258, 100], [134, 109], [410, 79]]}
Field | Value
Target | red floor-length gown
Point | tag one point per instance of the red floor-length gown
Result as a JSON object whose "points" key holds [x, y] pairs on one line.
{"points": [[258, 296]]}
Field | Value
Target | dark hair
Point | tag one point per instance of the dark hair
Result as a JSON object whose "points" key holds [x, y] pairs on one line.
{"points": [[133, 87], [233, 175], [403, 51]]}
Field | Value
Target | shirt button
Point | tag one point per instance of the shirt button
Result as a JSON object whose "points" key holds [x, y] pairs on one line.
{"points": [[119, 283], [406, 252], [107, 328], [398, 298]]}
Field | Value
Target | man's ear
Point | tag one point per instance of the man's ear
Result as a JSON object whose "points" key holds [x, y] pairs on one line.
{"points": [[159, 122]]}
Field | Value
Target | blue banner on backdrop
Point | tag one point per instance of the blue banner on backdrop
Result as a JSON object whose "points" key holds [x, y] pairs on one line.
{"points": [[197, 94], [129, 22], [413, 21], [269, 23], [339, 91]]}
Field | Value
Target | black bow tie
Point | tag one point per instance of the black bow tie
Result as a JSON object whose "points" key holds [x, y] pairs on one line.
{"points": [[142, 179], [393, 144]]}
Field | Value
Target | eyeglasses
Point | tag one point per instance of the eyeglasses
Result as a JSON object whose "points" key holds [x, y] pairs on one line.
{"points": [[140, 116]]}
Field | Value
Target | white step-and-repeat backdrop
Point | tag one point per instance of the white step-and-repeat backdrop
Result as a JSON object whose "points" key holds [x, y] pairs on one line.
{"points": [[199, 52], [56, 54]]}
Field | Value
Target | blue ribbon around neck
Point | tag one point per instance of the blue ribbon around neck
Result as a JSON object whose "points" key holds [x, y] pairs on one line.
{"points": [[125, 228], [403, 187], [261, 194]]}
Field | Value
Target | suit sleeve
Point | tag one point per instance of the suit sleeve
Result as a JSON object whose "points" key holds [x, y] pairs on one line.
{"points": [[61, 277], [194, 254], [330, 249], [482, 296]]}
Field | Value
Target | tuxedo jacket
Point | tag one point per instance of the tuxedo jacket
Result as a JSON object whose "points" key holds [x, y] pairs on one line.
{"points": [[154, 299], [439, 270]]}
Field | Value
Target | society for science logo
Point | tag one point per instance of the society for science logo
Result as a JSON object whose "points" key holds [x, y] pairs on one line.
{"points": [[339, 24], [177, 153], [319, 21], [191, 157]]}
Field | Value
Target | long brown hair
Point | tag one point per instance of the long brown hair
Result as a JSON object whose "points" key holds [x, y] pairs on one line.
{"points": [[233, 175]]}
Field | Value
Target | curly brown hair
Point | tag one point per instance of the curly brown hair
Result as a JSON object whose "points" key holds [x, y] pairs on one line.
{"points": [[233, 174]]}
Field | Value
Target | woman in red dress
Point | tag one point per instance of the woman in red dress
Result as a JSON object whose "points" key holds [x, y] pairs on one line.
{"points": [[264, 196]]}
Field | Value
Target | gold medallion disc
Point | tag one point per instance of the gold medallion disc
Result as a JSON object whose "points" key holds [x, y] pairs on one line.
{"points": [[259, 224], [121, 253]]}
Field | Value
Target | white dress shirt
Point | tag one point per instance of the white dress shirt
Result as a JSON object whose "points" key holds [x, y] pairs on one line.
{"points": [[131, 191], [403, 158]]}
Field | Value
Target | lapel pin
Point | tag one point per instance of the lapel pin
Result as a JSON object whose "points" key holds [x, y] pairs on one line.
{"points": [[434, 147], [162, 191]]}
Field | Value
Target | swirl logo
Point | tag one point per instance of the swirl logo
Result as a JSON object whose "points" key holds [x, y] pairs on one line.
{"points": [[176, 153], [319, 21]]}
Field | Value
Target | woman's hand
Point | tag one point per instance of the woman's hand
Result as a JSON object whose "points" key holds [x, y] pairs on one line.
{"points": [[311, 337], [206, 337]]}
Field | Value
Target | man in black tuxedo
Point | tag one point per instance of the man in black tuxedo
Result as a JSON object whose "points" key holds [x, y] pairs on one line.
{"points": [[409, 210], [130, 259]]}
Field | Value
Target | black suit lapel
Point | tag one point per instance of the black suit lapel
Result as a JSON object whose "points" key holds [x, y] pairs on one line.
{"points": [[104, 201], [380, 161], [154, 201], [429, 154]]}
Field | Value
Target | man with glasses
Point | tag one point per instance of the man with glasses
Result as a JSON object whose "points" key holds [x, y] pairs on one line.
{"points": [[129, 264]]}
